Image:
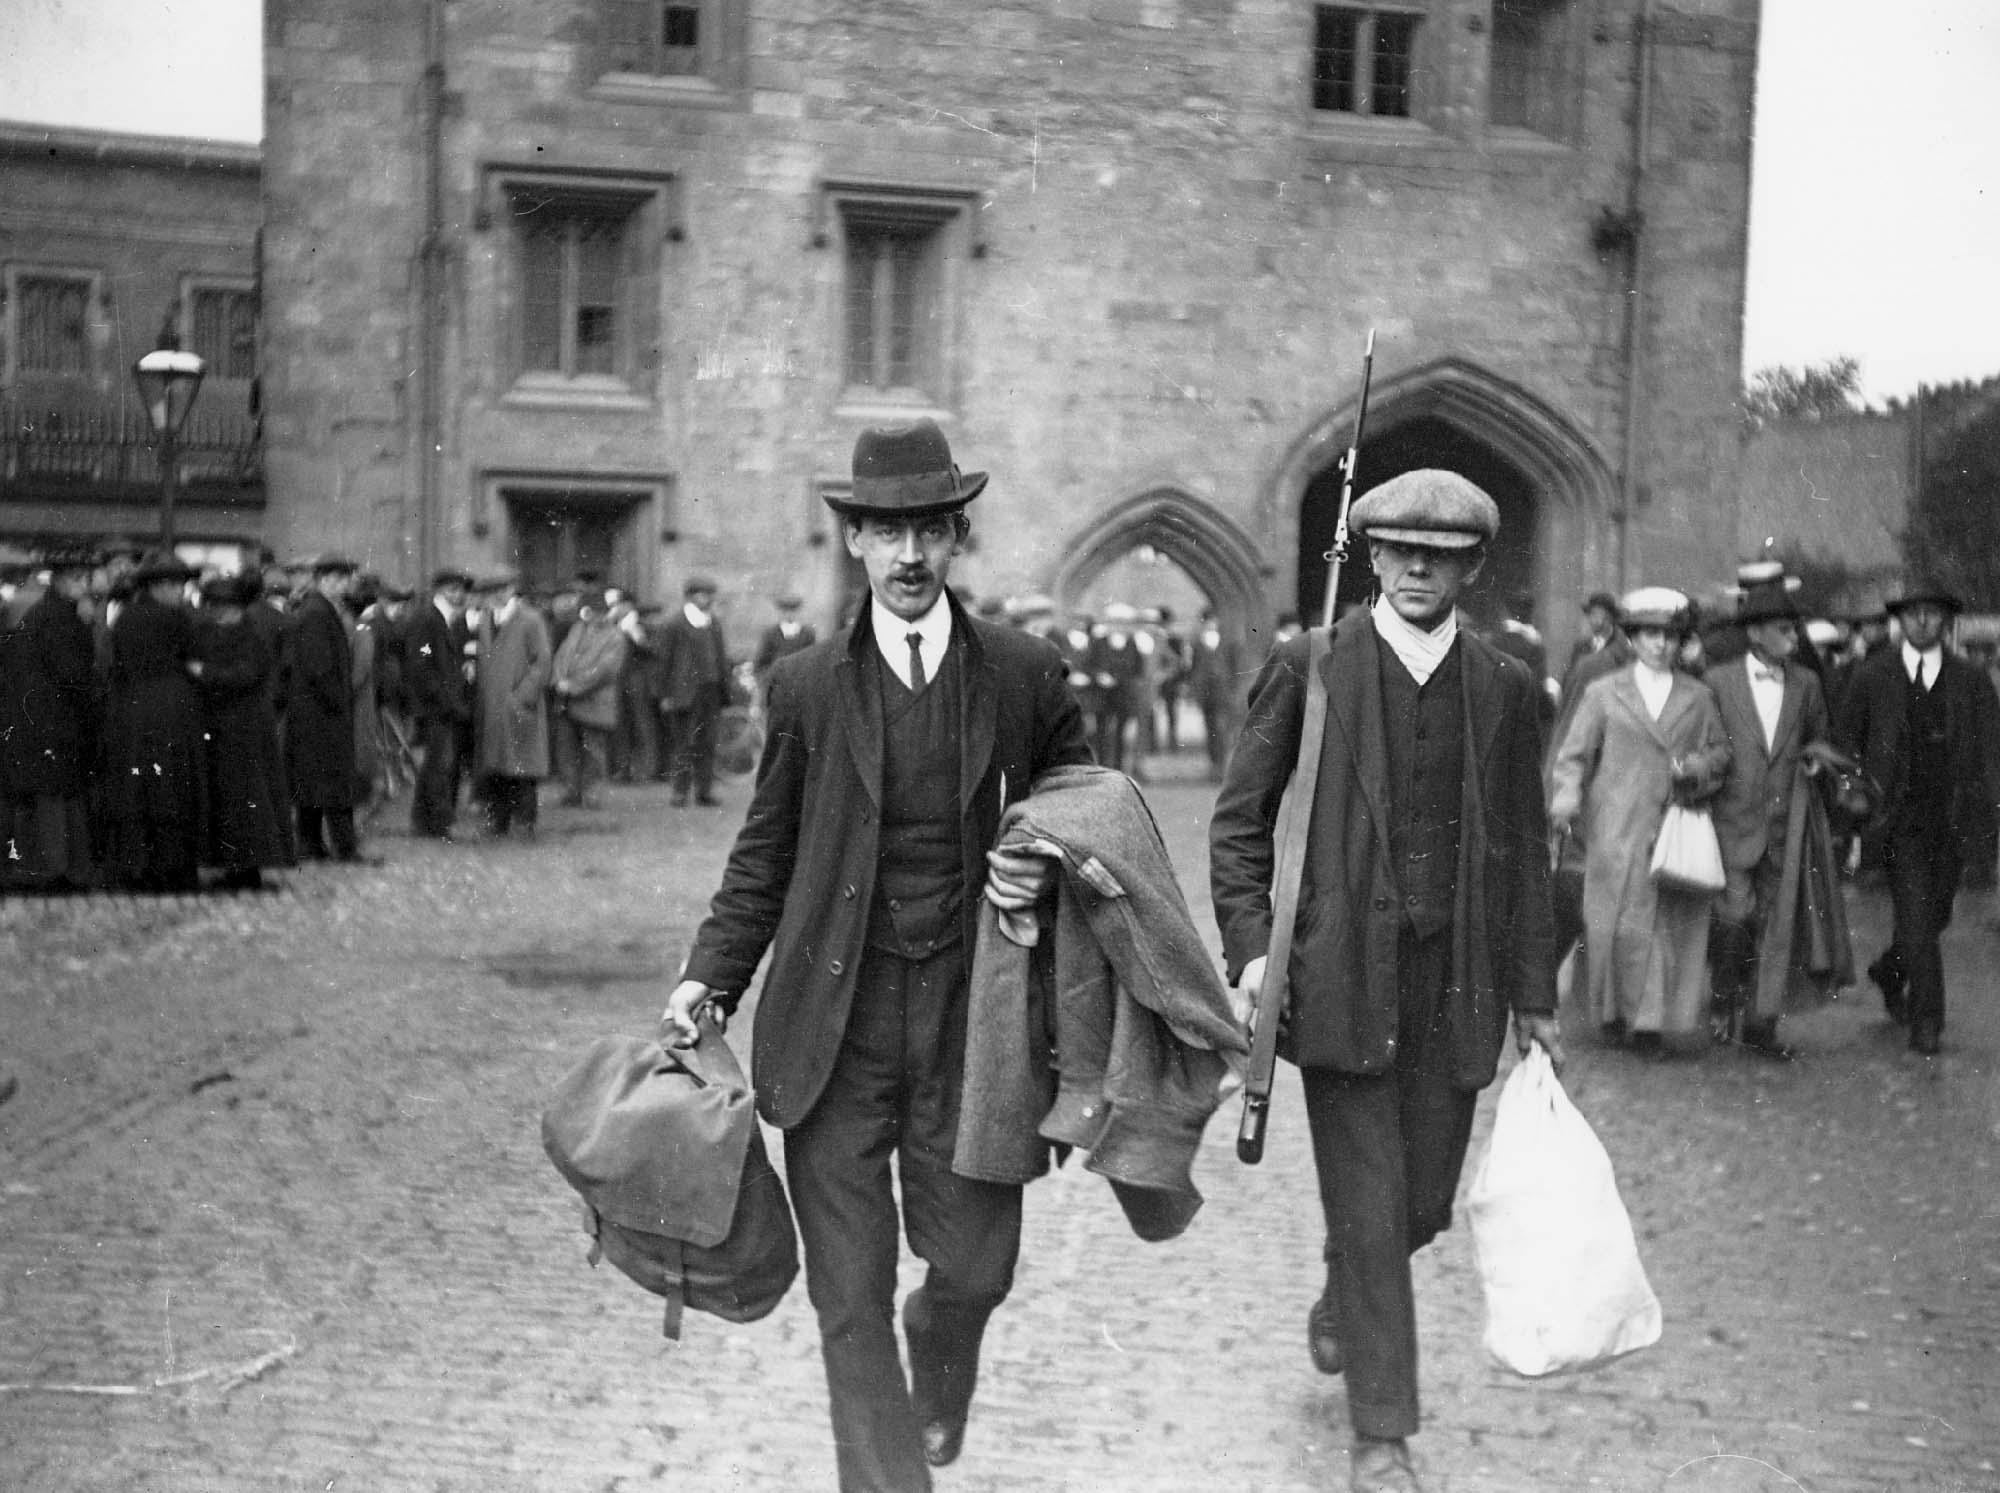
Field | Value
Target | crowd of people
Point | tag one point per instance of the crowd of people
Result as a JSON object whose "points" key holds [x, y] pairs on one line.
{"points": [[167, 729]]}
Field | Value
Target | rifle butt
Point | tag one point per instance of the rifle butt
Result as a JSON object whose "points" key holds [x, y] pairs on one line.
{"points": [[1250, 1134]]}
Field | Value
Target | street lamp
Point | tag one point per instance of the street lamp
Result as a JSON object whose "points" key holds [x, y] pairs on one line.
{"points": [[168, 381]]}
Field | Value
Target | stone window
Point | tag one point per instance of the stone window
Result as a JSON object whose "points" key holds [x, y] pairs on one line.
{"points": [[901, 251], [1365, 61], [222, 329], [51, 322], [672, 51], [578, 286], [1529, 84]]}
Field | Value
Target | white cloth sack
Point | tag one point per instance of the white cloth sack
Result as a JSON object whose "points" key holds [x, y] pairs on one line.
{"points": [[1564, 1286], [1687, 856]]}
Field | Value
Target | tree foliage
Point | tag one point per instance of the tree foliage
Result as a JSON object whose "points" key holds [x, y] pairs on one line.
{"points": [[1809, 393]]}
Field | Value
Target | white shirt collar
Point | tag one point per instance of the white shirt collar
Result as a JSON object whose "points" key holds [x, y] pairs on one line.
{"points": [[1932, 658], [695, 615], [1420, 651], [1654, 686], [892, 636]]}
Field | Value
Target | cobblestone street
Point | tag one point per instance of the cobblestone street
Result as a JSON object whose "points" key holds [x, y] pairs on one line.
{"points": [[274, 1215]]}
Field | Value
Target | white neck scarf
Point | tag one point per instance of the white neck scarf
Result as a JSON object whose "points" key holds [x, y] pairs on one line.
{"points": [[1420, 651]]}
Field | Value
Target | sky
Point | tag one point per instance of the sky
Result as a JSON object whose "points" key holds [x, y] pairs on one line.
{"points": [[1875, 193]]}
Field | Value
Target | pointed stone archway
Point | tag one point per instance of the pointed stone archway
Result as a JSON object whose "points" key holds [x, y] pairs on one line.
{"points": [[1204, 541], [1556, 492]]}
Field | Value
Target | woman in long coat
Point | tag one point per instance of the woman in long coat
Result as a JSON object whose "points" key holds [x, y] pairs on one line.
{"points": [[249, 818], [1641, 738], [155, 764], [51, 736]]}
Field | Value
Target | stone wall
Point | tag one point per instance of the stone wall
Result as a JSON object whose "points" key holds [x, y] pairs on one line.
{"points": [[1170, 264]]}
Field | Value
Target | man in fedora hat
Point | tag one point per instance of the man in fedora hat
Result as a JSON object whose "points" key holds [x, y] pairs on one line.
{"points": [[1429, 924], [1772, 827], [892, 749], [1914, 717]]}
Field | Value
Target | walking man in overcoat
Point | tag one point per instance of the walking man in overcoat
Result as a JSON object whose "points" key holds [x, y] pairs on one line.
{"points": [[694, 684], [1772, 831], [440, 701], [1425, 922], [1913, 716], [319, 723], [514, 666], [892, 749]]}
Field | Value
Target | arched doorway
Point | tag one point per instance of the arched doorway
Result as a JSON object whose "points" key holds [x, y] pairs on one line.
{"points": [[1198, 539], [1556, 493]]}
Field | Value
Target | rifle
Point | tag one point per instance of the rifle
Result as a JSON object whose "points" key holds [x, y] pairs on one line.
{"points": [[1295, 819]]}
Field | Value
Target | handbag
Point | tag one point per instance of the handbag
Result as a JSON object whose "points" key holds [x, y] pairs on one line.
{"points": [[1557, 1260], [1687, 857]]}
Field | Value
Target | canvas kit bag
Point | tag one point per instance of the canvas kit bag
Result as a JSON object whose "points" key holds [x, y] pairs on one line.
{"points": [[663, 1145]]}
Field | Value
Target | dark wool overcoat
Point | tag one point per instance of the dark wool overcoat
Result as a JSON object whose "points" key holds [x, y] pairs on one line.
{"points": [[249, 809], [154, 761], [1344, 1007], [52, 735], [434, 666], [319, 718], [802, 874]]}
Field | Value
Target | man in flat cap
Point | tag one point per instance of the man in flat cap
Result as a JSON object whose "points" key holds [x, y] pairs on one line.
{"points": [[1917, 716], [694, 686], [440, 697], [892, 749], [1427, 924], [788, 635]]}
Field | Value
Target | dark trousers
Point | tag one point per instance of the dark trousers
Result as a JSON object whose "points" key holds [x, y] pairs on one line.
{"points": [[586, 752], [1923, 864], [1388, 1148], [893, 1096], [434, 804], [1740, 918], [690, 748], [318, 826], [511, 801], [1110, 743]]}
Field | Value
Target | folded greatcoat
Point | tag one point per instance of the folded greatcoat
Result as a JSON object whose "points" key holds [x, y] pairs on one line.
{"points": [[1110, 1032]]}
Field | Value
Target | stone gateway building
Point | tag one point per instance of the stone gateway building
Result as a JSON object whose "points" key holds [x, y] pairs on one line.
{"points": [[615, 283]]}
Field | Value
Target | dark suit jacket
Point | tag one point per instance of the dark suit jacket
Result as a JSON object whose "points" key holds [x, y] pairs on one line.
{"points": [[693, 664], [1873, 713], [1344, 1005], [434, 665], [319, 721], [802, 873]]}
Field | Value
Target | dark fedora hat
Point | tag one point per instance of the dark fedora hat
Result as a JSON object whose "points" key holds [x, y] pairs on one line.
{"points": [[451, 576], [906, 471], [1918, 589]]}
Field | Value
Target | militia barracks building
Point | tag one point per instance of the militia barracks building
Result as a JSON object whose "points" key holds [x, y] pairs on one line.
{"points": [[615, 283]]}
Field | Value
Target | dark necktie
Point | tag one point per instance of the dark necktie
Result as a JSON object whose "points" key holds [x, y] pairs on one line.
{"points": [[916, 662]]}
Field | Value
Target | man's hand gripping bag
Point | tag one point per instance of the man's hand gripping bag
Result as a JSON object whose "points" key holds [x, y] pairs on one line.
{"points": [[1564, 1286], [663, 1144]]}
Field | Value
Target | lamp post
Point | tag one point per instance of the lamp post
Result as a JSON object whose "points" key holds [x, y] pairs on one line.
{"points": [[168, 381]]}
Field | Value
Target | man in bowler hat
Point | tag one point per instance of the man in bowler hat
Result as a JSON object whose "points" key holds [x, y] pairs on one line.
{"points": [[1914, 716], [1427, 924], [892, 749]]}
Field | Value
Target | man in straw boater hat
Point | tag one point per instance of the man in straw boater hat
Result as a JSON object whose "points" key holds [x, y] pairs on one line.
{"points": [[1427, 863], [1772, 946], [892, 749], [1913, 714]]}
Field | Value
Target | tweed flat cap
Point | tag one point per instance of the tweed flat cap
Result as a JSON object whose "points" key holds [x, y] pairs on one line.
{"points": [[450, 576], [333, 564], [1428, 506]]}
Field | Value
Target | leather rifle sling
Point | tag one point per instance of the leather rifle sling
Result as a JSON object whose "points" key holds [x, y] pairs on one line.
{"points": [[1294, 828]]}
